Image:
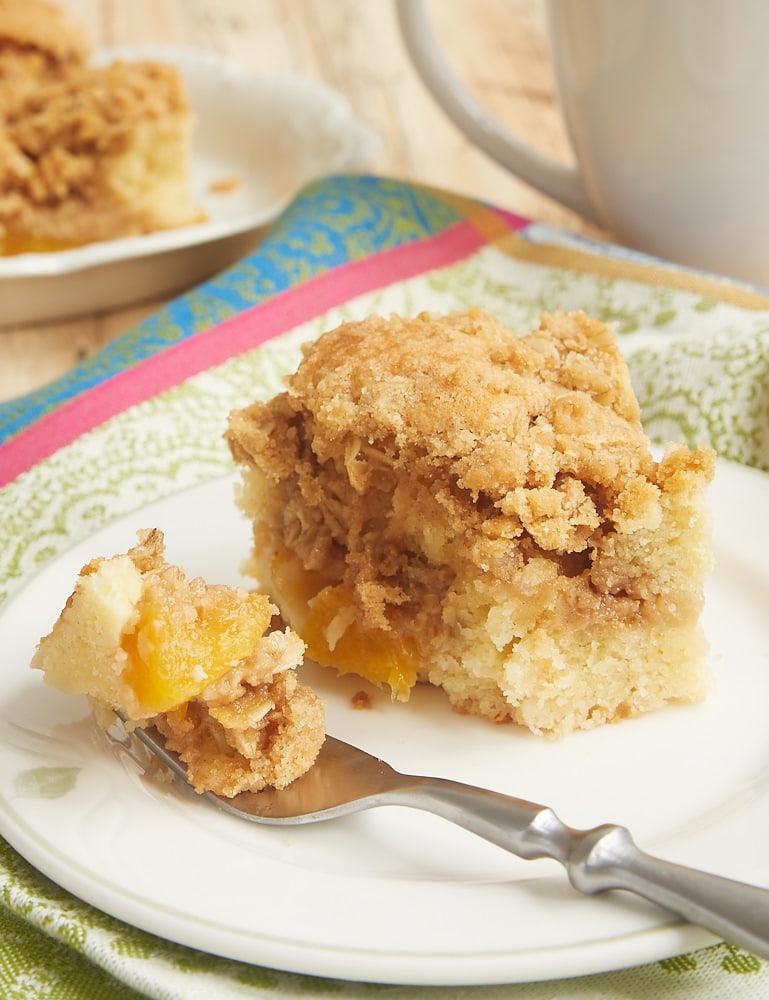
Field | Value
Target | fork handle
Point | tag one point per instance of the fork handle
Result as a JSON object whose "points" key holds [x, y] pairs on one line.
{"points": [[608, 858], [605, 857]]}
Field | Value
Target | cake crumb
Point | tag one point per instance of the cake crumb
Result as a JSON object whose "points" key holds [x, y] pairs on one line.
{"points": [[225, 185], [361, 699]]}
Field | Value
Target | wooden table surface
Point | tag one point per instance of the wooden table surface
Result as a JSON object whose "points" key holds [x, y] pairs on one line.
{"points": [[498, 47]]}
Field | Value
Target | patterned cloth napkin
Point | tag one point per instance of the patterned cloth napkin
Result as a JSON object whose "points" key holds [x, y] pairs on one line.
{"points": [[144, 418]]}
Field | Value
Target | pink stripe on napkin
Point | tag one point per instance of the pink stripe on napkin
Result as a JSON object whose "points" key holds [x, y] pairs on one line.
{"points": [[240, 333]]}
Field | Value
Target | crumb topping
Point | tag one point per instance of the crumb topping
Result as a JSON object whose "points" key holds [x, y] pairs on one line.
{"points": [[440, 438]]}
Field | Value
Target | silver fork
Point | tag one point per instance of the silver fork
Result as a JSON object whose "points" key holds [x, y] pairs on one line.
{"points": [[345, 779]]}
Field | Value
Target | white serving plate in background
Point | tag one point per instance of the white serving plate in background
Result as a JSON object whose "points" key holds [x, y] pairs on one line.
{"points": [[270, 135]]}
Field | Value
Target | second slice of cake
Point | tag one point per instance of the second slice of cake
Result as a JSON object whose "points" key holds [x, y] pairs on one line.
{"points": [[440, 499], [87, 153]]}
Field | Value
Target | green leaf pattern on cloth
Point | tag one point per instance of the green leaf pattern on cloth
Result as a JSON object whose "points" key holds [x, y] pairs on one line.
{"points": [[701, 372]]}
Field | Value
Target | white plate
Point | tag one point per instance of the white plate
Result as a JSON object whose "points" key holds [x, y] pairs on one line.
{"points": [[270, 134], [395, 895]]}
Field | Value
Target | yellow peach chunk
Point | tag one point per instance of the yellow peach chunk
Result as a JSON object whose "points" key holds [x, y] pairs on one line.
{"points": [[324, 616], [171, 661], [336, 639]]}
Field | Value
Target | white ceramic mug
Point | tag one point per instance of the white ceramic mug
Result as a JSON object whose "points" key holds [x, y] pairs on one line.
{"points": [[666, 103]]}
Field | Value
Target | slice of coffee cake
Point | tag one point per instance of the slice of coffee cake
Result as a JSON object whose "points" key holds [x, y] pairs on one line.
{"points": [[87, 153], [440, 499]]}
